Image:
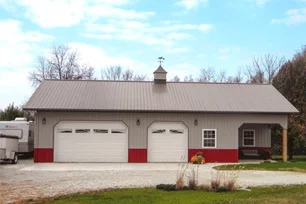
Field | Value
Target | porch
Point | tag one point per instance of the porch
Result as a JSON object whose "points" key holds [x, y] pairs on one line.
{"points": [[255, 142]]}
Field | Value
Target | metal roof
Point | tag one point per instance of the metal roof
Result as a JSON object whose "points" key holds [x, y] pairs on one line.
{"points": [[148, 96], [160, 69]]}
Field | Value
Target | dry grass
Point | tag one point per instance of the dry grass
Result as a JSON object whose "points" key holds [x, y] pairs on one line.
{"points": [[215, 181], [193, 177], [180, 175]]}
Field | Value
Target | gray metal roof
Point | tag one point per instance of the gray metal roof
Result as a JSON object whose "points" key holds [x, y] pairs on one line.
{"points": [[160, 69], [147, 96]]}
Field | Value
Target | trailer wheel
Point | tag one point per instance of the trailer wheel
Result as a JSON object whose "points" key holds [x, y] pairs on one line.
{"points": [[15, 160]]}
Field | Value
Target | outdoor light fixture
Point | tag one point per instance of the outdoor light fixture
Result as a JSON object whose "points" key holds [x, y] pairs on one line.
{"points": [[138, 122], [44, 121], [196, 122]]}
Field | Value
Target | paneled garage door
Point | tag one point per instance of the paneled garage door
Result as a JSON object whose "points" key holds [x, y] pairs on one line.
{"points": [[90, 141], [167, 142]]}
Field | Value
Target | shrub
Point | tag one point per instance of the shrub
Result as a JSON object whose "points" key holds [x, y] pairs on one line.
{"points": [[204, 187], [193, 175], [166, 187], [215, 182], [266, 154], [221, 189], [230, 184], [180, 176]]}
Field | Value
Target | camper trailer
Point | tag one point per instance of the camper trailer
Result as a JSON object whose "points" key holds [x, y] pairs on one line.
{"points": [[24, 130]]}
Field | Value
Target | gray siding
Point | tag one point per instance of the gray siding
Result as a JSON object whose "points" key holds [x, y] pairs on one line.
{"points": [[227, 125], [262, 134]]}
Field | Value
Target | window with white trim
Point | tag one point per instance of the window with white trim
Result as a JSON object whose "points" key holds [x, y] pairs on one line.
{"points": [[209, 138], [248, 138]]}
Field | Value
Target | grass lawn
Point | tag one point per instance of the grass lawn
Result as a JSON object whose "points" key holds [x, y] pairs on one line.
{"points": [[276, 194], [298, 164]]}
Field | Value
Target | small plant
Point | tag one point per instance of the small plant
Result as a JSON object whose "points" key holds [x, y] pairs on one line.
{"points": [[166, 187], [266, 154], [215, 181], [221, 189], [180, 176], [193, 176], [204, 187]]}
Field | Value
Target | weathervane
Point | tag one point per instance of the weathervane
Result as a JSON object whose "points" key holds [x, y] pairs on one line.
{"points": [[160, 60]]}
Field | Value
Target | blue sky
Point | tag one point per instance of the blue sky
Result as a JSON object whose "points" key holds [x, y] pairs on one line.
{"points": [[190, 34]]}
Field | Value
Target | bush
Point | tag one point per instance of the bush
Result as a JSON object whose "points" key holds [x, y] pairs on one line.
{"points": [[221, 189], [204, 187], [265, 154], [192, 176], [180, 176], [166, 187]]}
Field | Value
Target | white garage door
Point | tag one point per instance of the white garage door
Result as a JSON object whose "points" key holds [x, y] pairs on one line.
{"points": [[167, 142], [90, 141]]}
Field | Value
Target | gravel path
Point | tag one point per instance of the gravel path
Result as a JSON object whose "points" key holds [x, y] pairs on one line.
{"points": [[30, 181]]}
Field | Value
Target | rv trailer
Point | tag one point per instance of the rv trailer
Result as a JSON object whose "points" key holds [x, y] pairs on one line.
{"points": [[24, 130]]}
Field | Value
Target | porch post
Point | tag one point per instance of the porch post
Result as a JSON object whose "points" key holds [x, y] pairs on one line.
{"points": [[285, 145]]}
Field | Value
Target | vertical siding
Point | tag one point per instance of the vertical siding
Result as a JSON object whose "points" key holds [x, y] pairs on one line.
{"points": [[227, 125], [262, 134]]}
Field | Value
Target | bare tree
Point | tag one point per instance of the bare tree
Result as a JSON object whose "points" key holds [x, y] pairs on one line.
{"points": [[221, 76], [63, 63], [115, 73], [238, 78], [263, 69], [207, 74], [128, 75], [176, 79], [140, 77], [112, 73], [188, 78]]}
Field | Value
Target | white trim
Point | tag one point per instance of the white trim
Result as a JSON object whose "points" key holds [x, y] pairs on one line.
{"points": [[252, 130], [209, 138]]}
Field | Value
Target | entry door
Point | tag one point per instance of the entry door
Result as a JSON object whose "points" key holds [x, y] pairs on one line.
{"points": [[167, 142], [91, 141]]}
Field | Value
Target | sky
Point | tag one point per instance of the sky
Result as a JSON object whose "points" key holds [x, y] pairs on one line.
{"points": [[189, 34]]}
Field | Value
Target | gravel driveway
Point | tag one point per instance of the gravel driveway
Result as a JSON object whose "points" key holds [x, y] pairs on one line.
{"points": [[27, 180]]}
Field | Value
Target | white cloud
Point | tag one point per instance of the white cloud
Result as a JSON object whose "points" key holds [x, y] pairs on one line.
{"points": [[292, 16], [98, 58], [14, 87], [157, 34], [181, 70], [18, 49], [64, 13], [109, 11], [191, 4], [17, 46], [176, 50]]}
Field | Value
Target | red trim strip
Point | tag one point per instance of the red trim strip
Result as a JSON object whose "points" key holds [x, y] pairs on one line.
{"points": [[43, 155], [137, 155], [216, 155]]}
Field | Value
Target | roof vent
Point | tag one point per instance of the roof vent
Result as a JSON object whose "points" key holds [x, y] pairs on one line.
{"points": [[160, 75]]}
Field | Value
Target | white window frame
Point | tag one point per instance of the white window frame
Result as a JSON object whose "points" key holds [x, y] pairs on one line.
{"points": [[209, 138], [249, 130]]}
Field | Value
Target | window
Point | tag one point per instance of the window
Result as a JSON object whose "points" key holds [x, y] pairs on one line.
{"points": [[118, 131], [82, 130], [177, 131], [248, 137], [100, 130], [64, 130], [209, 138], [159, 131]]}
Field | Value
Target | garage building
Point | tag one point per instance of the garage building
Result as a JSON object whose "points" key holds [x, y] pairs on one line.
{"points": [[153, 121]]}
